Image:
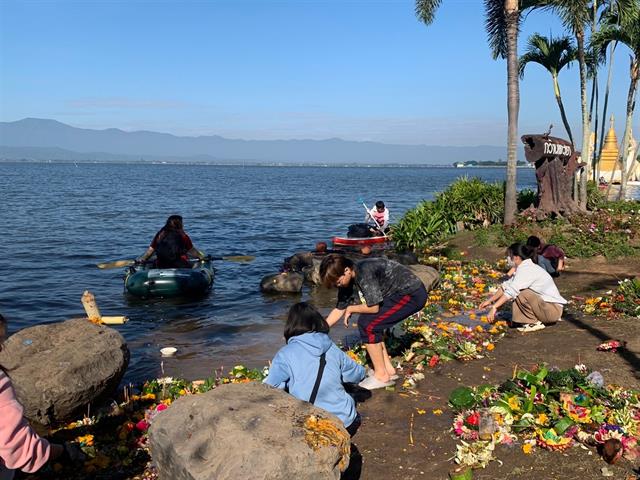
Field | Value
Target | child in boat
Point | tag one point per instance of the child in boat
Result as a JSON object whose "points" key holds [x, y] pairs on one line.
{"points": [[312, 368], [21, 448], [380, 216], [172, 246], [384, 293]]}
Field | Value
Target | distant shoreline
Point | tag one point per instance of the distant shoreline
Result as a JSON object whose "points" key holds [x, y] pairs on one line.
{"points": [[253, 164]]}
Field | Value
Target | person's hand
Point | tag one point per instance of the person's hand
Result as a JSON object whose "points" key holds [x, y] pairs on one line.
{"points": [[491, 316], [484, 304], [347, 315]]}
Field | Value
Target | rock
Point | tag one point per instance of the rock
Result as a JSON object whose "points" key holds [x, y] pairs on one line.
{"points": [[247, 430], [298, 261], [58, 369], [405, 258], [312, 272], [286, 282], [429, 275]]}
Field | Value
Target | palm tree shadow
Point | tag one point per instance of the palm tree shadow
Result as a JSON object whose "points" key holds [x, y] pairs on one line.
{"points": [[628, 356]]}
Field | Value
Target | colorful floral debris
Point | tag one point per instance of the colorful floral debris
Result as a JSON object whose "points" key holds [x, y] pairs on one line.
{"points": [[551, 409], [625, 300]]}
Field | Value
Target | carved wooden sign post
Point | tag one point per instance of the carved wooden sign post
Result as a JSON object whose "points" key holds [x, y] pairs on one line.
{"points": [[556, 163]]}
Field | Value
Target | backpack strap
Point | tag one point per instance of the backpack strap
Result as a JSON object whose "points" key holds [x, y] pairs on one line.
{"points": [[314, 392]]}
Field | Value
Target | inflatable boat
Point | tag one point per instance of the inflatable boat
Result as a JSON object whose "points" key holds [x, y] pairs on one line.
{"points": [[145, 281]]}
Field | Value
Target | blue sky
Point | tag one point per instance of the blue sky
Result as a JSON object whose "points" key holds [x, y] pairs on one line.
{"points": [[358, 70]]}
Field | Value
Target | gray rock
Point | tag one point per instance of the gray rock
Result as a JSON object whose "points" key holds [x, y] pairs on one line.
{"points": [[312, 272], [429, 275], [287, 282], [250, 430], [60, 368], [404, 258]]}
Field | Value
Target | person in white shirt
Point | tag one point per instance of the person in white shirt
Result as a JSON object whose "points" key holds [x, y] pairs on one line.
{"points": [[536, 299], [380, 216]]}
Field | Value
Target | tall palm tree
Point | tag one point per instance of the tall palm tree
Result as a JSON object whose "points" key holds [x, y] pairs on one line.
{"points": [[576, 16], [502, 21], [553, 54], [627, 32]]}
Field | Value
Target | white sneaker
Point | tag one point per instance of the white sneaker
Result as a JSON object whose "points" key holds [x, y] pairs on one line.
{"points": [[531, 327], [371, 383]]}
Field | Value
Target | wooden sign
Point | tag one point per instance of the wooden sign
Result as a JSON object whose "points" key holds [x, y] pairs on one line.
{"points": [[537, 147], [556, 162]]}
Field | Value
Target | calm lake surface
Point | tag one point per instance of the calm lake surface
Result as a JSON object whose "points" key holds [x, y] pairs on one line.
{"points": [[60, 220]]}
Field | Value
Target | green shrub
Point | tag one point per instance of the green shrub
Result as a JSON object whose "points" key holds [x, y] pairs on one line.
{"points": [[472, 202], [421, 226], [527, 198], [595, 197]]}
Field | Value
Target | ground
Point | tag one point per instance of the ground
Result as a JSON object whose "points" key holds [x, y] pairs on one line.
{"points": [[396, 441]]}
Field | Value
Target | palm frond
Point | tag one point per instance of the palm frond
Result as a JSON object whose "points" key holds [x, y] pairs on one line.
{"points": [[496, 26], [551, 53], [426, 10]]}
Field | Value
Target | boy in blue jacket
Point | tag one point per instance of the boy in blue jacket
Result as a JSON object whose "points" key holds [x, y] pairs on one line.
{"points": [[297, 366]]}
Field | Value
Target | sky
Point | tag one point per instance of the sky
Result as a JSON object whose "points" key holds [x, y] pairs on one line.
{"points": [[266, 69]]}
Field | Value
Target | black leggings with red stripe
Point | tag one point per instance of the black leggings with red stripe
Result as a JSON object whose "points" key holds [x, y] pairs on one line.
{"points": [[393, 310]]}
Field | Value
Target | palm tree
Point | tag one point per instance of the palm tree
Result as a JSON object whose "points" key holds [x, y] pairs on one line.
{"points": [[502, 21], [553, 54], [627, 32], [576, 15]]}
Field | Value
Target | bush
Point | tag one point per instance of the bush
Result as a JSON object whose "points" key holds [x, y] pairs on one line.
{"points": [[595, 197], [527, 198]]}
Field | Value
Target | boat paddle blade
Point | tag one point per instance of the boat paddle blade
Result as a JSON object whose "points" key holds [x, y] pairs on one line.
{"points": [[236, 258], [116, 264]]}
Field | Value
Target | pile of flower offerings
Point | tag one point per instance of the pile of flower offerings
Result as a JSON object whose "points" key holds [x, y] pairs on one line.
{"points": [[113, 442], [548, 409], [625, 300], [449, 327]]}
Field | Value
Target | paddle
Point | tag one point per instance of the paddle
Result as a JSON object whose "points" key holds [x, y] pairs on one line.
{"points": [[126, 263], [378, 226]]}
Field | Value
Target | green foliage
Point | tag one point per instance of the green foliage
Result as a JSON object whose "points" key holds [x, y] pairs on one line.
{"points": [[527, 198], [471, 202], [462, 397], [595, 197]]}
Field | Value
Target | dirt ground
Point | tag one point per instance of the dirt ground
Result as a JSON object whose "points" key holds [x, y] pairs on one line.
{"points": [[383, 447]]}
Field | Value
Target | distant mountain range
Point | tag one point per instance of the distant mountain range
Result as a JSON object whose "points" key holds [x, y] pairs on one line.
{"points": [[41, 140]]}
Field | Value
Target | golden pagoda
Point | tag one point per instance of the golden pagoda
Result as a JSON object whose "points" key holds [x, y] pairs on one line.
{"points": [[609, 157]]}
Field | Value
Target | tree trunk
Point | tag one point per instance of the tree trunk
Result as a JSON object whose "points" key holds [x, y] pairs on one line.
{"points": [[556, 90], [513, 105], [585, 118], [628, 129]]}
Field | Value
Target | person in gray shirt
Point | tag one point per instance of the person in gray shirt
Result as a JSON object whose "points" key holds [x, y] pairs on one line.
{"points": [[383, 293]]}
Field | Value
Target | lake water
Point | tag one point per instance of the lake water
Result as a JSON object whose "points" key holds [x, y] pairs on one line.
{"points": [[60, 220]]}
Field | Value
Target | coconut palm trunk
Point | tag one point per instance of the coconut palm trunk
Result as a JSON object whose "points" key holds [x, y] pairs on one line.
{"points": [[586, 130], [628, 129], [556, 91], [513, 106]]}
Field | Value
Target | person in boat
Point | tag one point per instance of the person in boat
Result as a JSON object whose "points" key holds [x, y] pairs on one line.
{"points": [[312, 368], [384, 293], [172, 246], [380, 216], [21, 448], [536, 299]]}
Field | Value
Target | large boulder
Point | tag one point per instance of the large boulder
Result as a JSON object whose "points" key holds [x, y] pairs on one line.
{"points": [[312, 272], [286, 282], [58, 369], [429, 275], [247, 430]]}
